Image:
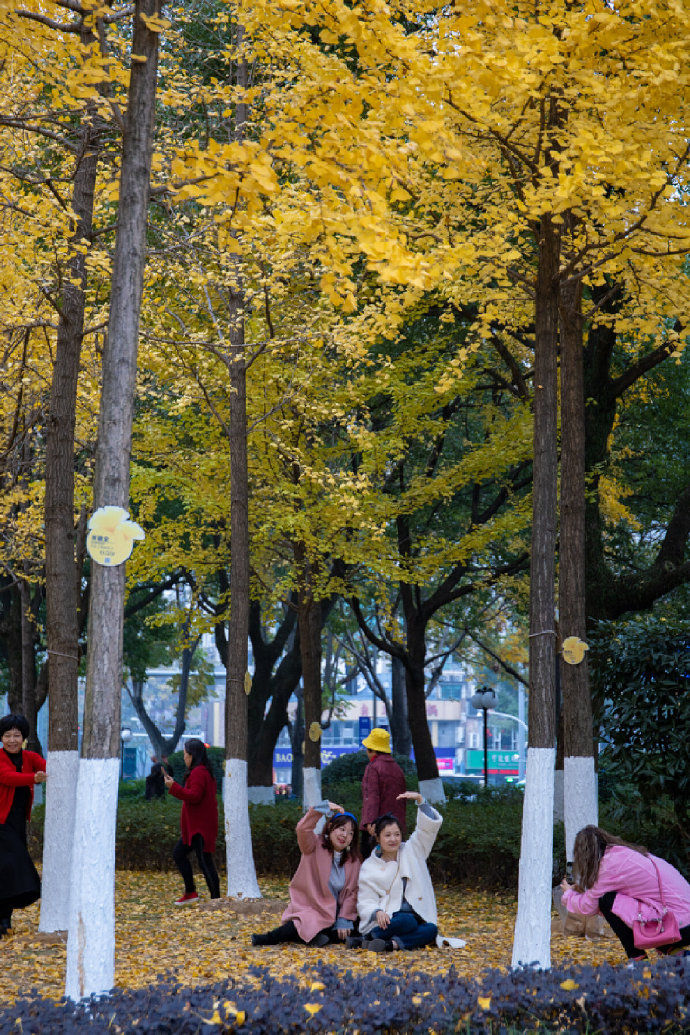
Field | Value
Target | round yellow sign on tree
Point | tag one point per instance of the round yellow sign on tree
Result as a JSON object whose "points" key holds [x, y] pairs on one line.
{"points": [[111, 536]]}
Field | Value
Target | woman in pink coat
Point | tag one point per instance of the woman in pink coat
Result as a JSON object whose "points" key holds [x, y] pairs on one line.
{"points": [[620, 880], [323, 892]]}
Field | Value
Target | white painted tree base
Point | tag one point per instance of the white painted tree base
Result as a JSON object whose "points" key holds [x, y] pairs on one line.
{"points": [[239, 856], [532, 941], [91, 938], [433, 790], [58, 836], [581, 798], [311, 794], [258, 795]]}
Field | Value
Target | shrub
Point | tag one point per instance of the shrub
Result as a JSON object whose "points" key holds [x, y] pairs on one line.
{"points": [[603, 999], [479, 841]]}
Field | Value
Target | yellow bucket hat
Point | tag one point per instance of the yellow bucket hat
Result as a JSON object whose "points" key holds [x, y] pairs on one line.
{"points": [[378, 740]]}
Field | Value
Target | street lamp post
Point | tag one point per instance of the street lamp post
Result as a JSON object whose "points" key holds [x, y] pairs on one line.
{"points": [[125, 736], [484, 698]]}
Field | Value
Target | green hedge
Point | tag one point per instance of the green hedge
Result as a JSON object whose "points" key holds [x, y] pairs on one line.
{"points": [[479, 842]]}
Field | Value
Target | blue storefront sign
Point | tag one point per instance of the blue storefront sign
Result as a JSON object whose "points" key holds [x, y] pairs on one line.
{"points": [[364, 727], [282, 757]]}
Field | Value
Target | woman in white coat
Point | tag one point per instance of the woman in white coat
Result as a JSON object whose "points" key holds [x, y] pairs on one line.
{"points": [[396, 901]]}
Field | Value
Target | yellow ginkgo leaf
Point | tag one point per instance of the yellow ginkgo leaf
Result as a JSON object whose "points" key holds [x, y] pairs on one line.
{"points": [[312, 1008], [569, 985], [317, 986], [484, 1002]]}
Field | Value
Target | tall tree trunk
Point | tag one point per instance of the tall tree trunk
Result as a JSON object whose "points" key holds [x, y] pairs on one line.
{"points": [[11, 633], [297, 741], [62, 570], [309, 619], [400, 726], [579, 778], [272, 688], [242, 881], [91, 942], [430, 783], [532, 942], [28, 641]]}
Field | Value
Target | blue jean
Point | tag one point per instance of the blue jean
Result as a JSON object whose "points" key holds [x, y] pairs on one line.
{"points": [[408, 931]]}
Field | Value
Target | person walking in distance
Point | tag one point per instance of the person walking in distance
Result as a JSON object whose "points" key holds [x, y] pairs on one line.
{"points": [[383, 784], [198, 820]]}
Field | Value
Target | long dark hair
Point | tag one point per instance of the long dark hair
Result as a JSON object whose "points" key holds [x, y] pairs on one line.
{"points": [[14, 722], [339, 820], [590, 844], [197, 749]]}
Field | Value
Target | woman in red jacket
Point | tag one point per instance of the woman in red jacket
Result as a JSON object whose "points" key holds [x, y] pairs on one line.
{"points": [[19, 771], [198, 821]]}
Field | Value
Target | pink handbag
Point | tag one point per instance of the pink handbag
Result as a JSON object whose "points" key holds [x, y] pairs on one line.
{"points": [[648, 934]]}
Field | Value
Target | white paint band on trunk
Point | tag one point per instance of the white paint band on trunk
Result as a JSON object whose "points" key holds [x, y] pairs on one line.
{"points": [[58, 837], [239, 856], [258, 795], [580, 794], [532, 942], [311, 794], [91, 939], [433, 790]]}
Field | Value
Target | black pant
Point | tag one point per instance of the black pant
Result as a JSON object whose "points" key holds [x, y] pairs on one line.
{"points": [[207, 866], [625, 933], [287, 932]]}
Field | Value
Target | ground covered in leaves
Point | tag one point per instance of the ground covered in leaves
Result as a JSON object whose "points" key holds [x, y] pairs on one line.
{"points": [[194, 969]]}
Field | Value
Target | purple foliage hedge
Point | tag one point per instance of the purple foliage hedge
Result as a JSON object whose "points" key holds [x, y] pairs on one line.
{"points": [[603, 999]]}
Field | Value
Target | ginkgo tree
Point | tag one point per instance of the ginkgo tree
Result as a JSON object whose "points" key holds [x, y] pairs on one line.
{"points": [[513, 152]]}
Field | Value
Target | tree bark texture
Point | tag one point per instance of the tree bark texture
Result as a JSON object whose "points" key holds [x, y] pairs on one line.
{"points": [[415, 632], [111, 487], [62, 572], [400, 727], [309, 618], [238, 625], [542, 635], [575, 692]]}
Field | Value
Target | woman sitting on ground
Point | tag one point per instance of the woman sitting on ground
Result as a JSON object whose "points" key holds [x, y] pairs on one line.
{"points": [[396, 901], [620, 880], [323, 892]]}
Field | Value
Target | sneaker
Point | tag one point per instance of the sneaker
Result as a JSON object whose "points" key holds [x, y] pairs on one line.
{"points": [[319, 941], [378, 945], [259, 939], [353, 941], [187, 899]]}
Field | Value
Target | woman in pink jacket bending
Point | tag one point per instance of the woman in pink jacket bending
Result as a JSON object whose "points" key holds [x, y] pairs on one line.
{"points": [[323, 892], [620, 881]]}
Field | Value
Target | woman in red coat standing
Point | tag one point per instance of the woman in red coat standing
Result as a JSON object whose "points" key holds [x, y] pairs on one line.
{"points": [[323, 892], [198, 821], [19, 771]]}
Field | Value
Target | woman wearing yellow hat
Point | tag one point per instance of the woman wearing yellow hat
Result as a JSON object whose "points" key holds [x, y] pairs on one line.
{"points": [[382, 784]]}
